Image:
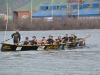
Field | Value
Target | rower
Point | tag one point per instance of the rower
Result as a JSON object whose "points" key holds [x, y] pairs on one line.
{"points": [[26, 41], [58, 40], [65, 39], [50, 40], [72, 38], [43, 41], [34, 41]]}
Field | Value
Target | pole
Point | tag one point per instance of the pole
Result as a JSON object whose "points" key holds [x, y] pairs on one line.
{"points": [[99, 6], [78, 9], [7, 20], [7, 15], [52, 9], [31, 11]]}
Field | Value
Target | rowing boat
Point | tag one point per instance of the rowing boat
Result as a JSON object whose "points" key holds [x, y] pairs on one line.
{"points": [[12, 47]]}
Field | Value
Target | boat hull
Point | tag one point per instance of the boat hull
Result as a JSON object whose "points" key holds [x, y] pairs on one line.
{"points": [[12, 47]]}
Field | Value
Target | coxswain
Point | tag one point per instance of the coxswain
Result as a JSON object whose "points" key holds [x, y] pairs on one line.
{"points": [[16, 37]]}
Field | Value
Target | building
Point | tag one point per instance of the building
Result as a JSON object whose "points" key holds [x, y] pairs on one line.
{"points": [[21, 15], [49, 10], [86, 9]]}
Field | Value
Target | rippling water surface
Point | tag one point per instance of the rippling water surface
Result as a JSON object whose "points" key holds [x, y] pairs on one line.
{"points": [[83, 61]]}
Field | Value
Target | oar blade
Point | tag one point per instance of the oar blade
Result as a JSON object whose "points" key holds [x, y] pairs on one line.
{"points": [[5, 40]]}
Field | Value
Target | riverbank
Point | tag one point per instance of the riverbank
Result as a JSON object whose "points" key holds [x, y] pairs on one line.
{"points": [[56, 24]]}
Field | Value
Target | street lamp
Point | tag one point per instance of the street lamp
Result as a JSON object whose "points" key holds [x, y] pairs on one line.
{"points": [[52, 9], [7, 20], [78, 9], [99, 6], [31, 11]]}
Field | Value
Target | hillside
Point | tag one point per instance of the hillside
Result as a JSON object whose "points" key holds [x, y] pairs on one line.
{"points": [[13, 4], [26, 4], [37, 3]]}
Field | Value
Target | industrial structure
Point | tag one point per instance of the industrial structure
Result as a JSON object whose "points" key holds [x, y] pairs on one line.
{"points": [[75, 9], [21, 15]]}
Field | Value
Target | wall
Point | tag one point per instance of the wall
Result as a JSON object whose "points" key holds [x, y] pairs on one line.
{"points": [[21, 15]]}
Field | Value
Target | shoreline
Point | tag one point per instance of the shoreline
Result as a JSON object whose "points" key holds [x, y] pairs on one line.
{"points": [[52, 30], [56, 24]]}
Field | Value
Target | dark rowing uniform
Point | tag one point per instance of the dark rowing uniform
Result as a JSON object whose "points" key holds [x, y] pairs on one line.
{"points": [[50, 41], [33, 42], [65, 39], [16, 37], [71, 39], [26, 42]]}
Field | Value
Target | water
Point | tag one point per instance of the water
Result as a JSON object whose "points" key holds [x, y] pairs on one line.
{"points": [[83, 61]]}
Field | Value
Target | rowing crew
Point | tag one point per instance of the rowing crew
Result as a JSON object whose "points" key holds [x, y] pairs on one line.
{"points": [[50, 40], [16, 39]]}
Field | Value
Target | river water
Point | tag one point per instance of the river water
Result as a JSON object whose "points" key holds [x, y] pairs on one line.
{"points": [[83, 61]]}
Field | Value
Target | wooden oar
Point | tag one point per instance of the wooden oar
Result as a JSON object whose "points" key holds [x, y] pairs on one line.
{"points": [[87, 36], [6, 40], [83, 39]]}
